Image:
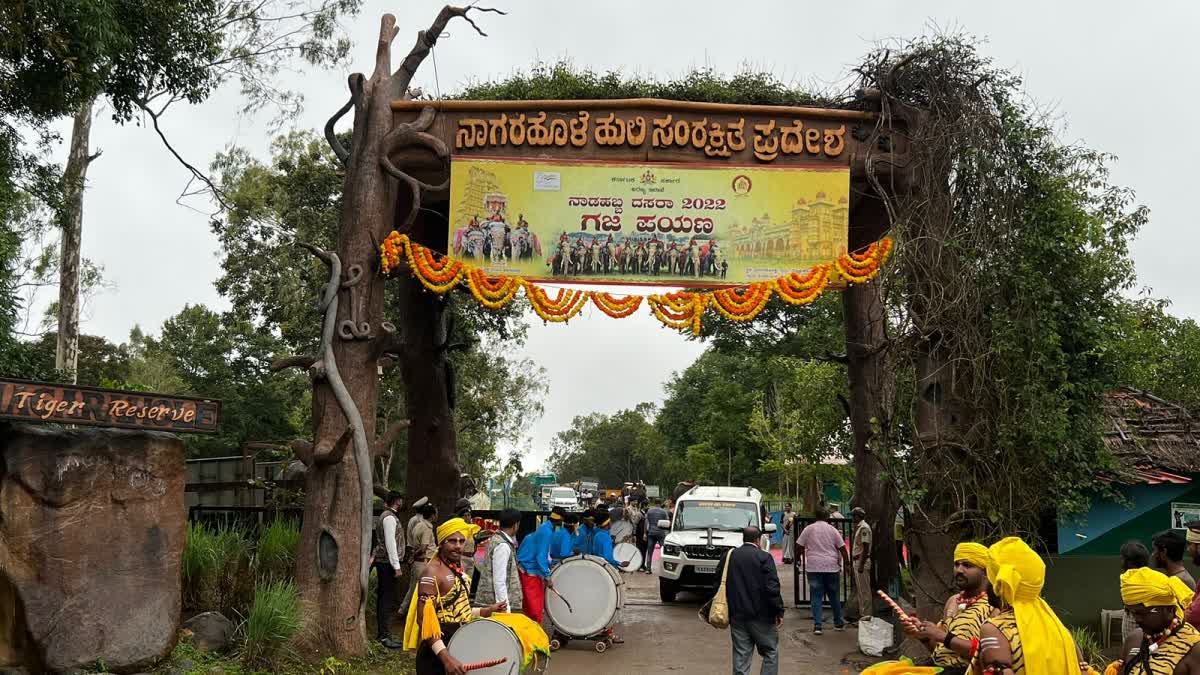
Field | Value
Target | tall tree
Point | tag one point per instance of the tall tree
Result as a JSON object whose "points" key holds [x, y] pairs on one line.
{"points": [[614, 448]]}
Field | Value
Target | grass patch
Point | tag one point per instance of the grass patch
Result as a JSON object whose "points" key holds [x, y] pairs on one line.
{"points": [[272, 622], [188, 660], [275, 556], [1086, 640], [215, 565]]}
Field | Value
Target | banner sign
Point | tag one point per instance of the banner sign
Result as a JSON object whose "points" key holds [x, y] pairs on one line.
{"points": [[71, 404], [638, 223]]}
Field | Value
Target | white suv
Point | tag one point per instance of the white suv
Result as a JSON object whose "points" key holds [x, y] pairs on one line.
{"points": [[708, 522]]}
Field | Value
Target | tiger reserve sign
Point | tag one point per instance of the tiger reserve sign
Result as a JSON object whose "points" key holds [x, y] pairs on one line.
{"points": [[70, 404]]}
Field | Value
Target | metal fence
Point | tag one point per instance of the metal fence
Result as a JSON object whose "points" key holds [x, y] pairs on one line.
{"points": [[800, 575]]}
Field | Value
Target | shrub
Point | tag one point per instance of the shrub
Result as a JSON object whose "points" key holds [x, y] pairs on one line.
{"points": [[275, 558], [214, 568], [273, 620], [1089, 645]]}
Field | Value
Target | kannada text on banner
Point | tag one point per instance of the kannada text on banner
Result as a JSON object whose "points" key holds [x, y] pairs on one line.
{"points": [[657, 224]]}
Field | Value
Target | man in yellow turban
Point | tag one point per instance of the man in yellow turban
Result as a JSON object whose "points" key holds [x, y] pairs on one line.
{"points": [[443, 602], [1025, 637], [1163, 644], [955, 639]]}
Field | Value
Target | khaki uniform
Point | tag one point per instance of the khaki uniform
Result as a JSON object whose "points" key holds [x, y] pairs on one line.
{"points": [[862, 580], [424, 545]]}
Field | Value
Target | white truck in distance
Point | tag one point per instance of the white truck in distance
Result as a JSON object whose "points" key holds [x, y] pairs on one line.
{"points": [[708, 522]]}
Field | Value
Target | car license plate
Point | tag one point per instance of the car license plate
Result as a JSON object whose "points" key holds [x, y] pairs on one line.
{"points": [[706, 570]]}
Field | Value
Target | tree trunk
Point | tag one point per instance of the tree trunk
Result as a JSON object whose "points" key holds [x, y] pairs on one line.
{"points": [[66, 353], [872, 382], [336, 533], [433, 468]]}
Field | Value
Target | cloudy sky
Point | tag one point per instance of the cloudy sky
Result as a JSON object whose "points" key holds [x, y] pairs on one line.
{"points": [[1116, 75]]}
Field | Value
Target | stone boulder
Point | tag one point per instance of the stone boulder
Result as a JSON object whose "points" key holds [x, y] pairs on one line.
{"points": [[211, 631], [92, 528]]}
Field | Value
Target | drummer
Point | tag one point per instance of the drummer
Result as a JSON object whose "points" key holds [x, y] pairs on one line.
{"points": [[533, 564], [442, 603], [582, 543], [564, 539], [602, 546]]}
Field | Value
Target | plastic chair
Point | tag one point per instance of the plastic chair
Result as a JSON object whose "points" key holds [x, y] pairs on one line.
{"points": [[1107, 616]]}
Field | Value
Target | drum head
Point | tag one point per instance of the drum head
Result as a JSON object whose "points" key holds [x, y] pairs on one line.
{"points": [[591, 592], [630, 552], [484, 640]]}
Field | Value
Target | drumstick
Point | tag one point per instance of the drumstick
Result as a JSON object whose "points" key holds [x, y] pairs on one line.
{"points": [[897, 609], [560, 597], [483, 664]]}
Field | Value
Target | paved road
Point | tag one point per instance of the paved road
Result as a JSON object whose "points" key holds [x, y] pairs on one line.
{"points": [[671, 638]]}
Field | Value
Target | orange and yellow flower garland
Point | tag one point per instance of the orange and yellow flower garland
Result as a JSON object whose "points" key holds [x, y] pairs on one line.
{"points": [[679, 310]]}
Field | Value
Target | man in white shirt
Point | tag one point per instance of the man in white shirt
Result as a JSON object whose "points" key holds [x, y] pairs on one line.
{"points": [[498, 580], [388, 556]]}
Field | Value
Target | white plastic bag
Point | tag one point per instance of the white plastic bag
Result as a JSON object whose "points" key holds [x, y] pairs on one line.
{"points": [[874, 636]]}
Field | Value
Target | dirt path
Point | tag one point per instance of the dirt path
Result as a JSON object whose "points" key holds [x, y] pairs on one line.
{"points": [[671, 638]]}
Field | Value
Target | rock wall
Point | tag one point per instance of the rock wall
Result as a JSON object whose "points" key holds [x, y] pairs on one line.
{"points": [[92, 528]]}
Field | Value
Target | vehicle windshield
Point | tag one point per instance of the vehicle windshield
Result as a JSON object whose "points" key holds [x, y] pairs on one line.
{"points": [[563, 493], [719, 515]]}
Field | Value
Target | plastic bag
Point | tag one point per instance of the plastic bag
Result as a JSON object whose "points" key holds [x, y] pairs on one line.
{"points": [[874, 636]]}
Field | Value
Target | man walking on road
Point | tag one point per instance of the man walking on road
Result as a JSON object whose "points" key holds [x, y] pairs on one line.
{"points": [[654, 533], [822, 553], [861, 547], [755, 604]]}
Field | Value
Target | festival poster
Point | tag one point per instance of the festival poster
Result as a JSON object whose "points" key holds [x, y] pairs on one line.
{"points": [[656, 224]]}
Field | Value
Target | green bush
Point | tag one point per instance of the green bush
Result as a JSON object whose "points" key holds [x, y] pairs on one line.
{"points": [[273, 620], [275, 557], [1086, 640], [215, 562]]}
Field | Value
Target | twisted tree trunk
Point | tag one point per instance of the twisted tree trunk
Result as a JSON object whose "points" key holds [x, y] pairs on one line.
{"points": [[331, 569]]}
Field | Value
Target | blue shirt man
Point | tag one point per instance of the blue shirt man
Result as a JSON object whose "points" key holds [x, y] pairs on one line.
{"points": [[602, 543], [563, 545], [582, 544], [533, 555]]}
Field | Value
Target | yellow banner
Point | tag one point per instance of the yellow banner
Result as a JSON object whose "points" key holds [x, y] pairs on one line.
{"points": [[659, 224]]}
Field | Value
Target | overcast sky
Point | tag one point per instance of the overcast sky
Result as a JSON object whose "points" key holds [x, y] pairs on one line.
{"points": [[1117, 75]]}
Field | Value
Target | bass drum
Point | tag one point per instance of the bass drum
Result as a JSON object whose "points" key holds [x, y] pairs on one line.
{"points": [[586, 596], [631, 553], [484, 640]]}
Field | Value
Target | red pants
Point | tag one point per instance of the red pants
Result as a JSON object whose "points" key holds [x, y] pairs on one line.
{"points": [[533, 588]]}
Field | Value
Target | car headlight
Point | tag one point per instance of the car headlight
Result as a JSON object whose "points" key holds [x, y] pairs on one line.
{"points": [[670, 549]]}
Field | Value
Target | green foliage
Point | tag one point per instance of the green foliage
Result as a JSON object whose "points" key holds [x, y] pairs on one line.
{"points": [[275, 553], [273, 620], [1093, 653], [563, 80], [215, 565], [706, 418], [800, 421], [1159, 353], [613, 448]]}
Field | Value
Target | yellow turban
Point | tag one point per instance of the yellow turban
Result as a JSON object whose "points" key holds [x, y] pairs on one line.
{"points": [[1017, 575], [976, 554], [1193, 537], [1144, 586], [456, 526]]}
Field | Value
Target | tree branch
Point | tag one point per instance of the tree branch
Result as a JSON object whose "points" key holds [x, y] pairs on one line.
{"points": [[390, 436], [196, 173], [426, 39], [340, 150]]}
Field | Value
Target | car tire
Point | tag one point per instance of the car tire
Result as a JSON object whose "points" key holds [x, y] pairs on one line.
{"points": [[666, 590]]}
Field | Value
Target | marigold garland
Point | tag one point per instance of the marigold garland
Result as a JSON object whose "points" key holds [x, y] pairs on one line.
{"points": [[617, 308], [801, 289], [565, 305], [862, 267], [741, 304], [438, 276], [681, 310], [493, 293]]}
